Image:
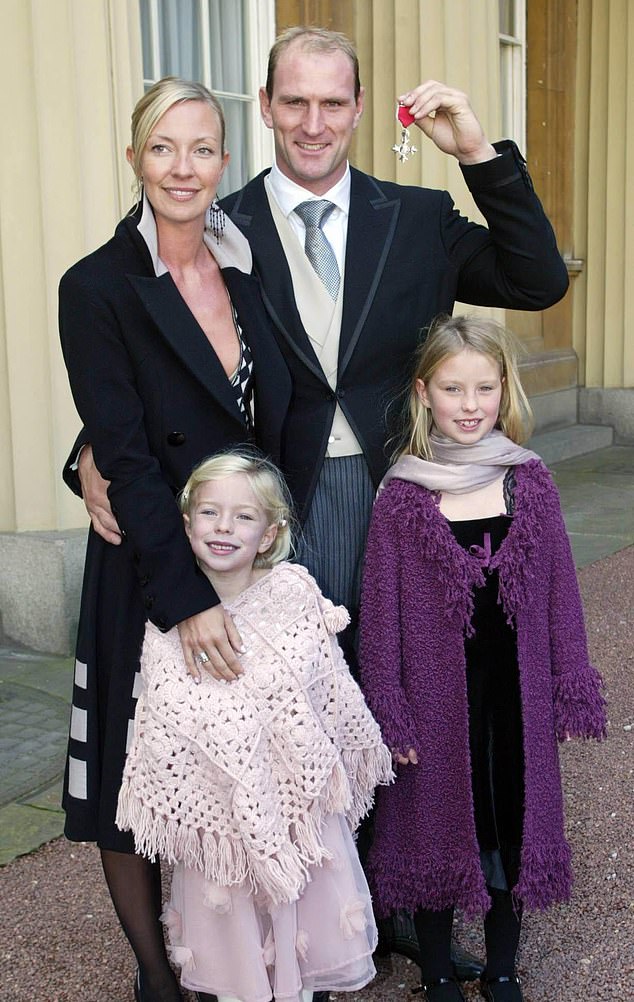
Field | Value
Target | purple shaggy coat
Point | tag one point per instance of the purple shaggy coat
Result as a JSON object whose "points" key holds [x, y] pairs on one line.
{"points": [[416, 607]]}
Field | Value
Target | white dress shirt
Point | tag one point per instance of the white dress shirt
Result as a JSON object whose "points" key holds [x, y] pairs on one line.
{"points": [[288, 195]]}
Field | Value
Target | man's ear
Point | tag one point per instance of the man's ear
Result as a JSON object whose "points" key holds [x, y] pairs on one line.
{"points": [[360, 106], [265, 108]]}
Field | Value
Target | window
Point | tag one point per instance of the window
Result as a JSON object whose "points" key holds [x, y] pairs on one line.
{"points": [[512, 36], [223, 44]]}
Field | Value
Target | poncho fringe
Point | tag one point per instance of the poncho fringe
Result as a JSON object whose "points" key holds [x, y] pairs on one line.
{"points": [[236, 780]]}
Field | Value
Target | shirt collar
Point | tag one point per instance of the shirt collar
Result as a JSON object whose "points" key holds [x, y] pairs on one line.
{"points": [[233, 251], [288, 194], [147, 229]]}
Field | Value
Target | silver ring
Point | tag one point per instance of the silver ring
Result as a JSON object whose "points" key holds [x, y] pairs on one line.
{"points": [[202, 657]]}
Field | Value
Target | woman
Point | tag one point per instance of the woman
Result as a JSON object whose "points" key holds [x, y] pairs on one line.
{"points": [[168, 349]]}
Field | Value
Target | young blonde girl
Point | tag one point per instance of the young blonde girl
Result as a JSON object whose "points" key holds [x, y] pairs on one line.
{"points": [[251, 787], [473, 659]]}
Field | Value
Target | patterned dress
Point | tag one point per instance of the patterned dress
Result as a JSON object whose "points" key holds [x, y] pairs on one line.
{"points": [[251, 789]]}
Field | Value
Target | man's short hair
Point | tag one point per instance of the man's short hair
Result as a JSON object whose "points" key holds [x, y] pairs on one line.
{"points": [[312, 40]]}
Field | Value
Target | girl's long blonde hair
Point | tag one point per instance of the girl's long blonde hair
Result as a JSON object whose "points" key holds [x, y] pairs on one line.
{"points": [[449, 336]]}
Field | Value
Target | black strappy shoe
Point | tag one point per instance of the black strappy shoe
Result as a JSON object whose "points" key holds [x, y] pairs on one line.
{"points": [[140, 997], [436, 991], [509, 989]]}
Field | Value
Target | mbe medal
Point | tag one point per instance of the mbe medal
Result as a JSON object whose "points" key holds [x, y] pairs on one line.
{"points": [[405, 149]]}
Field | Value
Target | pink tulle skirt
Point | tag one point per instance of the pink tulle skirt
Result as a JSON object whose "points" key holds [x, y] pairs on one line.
{"points": [[229, 941]]}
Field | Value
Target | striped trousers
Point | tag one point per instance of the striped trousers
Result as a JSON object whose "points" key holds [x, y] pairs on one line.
{"points": [[334, 535]]}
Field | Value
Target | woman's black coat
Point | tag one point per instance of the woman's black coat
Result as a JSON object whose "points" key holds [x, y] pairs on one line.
{"points": [[154, 400]]}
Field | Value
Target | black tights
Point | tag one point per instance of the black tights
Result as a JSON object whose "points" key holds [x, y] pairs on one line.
{"points": [[502, 926], [135, 888]]}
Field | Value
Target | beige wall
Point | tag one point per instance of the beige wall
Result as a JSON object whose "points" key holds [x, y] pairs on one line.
{"points": [[403, 42], [70, 72], [400, 44], [604, 193]]}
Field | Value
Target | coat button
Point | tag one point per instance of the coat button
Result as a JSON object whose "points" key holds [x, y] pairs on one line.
{"points": [[175, 438], [144, 582], [149, 601]]}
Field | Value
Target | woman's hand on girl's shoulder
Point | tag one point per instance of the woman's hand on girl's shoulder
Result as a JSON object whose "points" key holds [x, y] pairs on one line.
{"points": [[401, 759]]}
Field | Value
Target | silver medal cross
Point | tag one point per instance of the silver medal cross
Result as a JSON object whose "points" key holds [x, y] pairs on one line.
{"points": [[404, 118], [405, 149]]}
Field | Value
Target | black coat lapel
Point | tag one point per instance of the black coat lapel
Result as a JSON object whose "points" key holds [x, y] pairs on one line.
{"points": [[272, 378], [251, 213], [371, 228], [176, 323]]}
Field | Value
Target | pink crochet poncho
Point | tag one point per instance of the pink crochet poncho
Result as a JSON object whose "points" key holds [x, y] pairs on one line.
{"points": [[234, 779]]}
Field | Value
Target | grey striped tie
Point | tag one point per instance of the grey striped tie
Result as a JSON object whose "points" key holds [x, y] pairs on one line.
{"points": [[318, 251]]}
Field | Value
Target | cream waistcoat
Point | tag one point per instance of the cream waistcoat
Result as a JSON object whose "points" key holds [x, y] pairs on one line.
{"points": [[321, 318]]}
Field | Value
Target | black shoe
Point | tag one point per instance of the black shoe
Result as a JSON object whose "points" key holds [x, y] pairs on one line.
{"points": [[443, 990], [398, 935], [203, 997], [321, 996], [466, 967], [140, 997], [403, 939], [502, 989]]}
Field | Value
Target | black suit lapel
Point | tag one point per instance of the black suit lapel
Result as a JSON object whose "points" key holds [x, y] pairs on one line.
{"points": [[371, 228], [252, 214], [176, 323]]}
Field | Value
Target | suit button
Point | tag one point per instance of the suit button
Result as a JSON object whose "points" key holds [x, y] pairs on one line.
{"points": [[329, 395], [341, 394], [144, 582], [149, 601], [175, 438]]}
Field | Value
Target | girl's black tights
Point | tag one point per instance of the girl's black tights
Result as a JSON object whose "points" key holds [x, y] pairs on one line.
{"points": [[502, 926], [135, 888], [433, 930]]}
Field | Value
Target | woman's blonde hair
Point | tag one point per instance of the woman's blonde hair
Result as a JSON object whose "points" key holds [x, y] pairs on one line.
{"points": [[267, 484], [156, 101], [449, 336]]}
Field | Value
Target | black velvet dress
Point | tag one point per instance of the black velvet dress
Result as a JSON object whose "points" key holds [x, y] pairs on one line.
{"points": [[495, 715]]}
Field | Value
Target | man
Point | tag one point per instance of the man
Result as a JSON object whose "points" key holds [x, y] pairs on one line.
{"points": [[350, 285], [402, 255]]}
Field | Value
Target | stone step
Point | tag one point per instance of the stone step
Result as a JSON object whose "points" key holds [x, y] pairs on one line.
{"points": [[558, 444]]}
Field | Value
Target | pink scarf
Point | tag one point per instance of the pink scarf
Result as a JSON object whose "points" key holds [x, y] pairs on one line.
{"points": [[460, 469]]}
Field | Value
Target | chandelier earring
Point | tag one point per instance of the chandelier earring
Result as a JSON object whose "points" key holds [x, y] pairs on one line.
{"points": [[216, 220]]}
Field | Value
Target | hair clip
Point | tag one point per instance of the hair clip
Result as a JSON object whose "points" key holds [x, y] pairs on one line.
{"points": [[282, 523]]}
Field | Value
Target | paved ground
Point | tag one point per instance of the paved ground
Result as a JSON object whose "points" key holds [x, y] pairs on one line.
{"points": [[60, 941]]}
